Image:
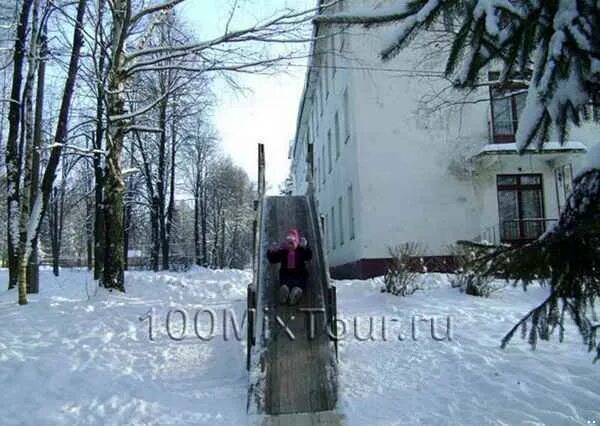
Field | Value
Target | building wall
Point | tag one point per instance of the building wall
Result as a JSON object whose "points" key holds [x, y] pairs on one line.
{"points": [[318, 126], [409, 161], [409, 190]]}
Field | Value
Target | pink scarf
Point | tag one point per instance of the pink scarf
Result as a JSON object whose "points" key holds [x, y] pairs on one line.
{"points": [[293, 236]]}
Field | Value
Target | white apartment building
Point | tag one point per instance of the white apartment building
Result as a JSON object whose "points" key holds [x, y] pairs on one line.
{"points": [[395, 155]]}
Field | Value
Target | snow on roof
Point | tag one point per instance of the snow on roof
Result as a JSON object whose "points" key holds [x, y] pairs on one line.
{"points": [[553, 146]]}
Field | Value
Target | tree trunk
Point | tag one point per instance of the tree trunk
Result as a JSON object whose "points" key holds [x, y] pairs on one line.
{"points": [[222, 250], [160, 183], [127, 221], [154, 234], [53, 225], [113, 275], [171, 206], [197, 252], [26, 155], [99, 226], [89, 244], [41, 200], [33, 271], [114, 263], [154, 220], [12, 165], [203, 222]]}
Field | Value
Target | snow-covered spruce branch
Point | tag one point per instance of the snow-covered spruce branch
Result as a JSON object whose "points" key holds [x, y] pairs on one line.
{"points": [[523, 321]]}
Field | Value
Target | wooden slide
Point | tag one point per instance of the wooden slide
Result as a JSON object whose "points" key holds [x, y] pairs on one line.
{"points": [[291, 349]]}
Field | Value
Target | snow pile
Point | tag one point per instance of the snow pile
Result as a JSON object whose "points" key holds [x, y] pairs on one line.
{"points": [[75, 355]]}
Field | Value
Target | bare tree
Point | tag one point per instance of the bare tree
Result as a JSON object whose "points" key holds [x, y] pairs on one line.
{"points": [[29, 221], [223, 53]]}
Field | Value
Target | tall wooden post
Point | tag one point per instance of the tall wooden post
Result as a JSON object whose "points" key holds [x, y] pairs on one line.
{"points": [[253, 287]]}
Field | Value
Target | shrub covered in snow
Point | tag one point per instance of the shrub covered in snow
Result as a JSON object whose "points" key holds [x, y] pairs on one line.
{"points": [[467, 277], [403, 270]]}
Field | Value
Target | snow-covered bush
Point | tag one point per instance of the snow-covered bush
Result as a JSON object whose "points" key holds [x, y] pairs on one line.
{"points": [[403, 269], [467, 278]]}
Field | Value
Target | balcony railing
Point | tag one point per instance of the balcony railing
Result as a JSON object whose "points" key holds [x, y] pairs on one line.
{"points": [[516, 231], [502, 131]]}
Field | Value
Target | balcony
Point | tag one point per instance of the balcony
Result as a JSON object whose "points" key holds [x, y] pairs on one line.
{"points": [[517, 231], [549, 151]]}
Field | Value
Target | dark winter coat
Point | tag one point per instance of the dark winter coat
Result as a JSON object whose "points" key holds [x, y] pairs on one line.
{"points": [[296, 277]]}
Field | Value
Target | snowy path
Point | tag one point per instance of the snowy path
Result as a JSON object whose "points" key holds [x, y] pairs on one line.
{"points": [[68, 360]]}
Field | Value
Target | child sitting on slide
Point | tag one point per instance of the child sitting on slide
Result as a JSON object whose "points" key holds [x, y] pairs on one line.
{"points": [[293, 275]]}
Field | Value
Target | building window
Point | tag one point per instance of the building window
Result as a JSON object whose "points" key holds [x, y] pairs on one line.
{"points": [[329, 162], [314, 119], [323, 174], [342, 43], [507, 103], [332, 233], [563, 179], [310, 161], [595, 101], [337, 134], [351, 212], [520, 207], [326, 228], [346, 116], [325, 73], [341, 219], [316, 175], [333, 53], [320, 89]]}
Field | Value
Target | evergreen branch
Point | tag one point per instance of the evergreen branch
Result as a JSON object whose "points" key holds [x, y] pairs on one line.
{"points": [[535, 311]]}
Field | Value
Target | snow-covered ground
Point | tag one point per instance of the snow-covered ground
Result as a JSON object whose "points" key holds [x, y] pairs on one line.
{"points": [[78, 356]]}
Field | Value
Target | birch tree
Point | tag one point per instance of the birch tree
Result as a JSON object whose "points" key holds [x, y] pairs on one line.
{"points": [[25, 219], [13, 168], [221, 54]]}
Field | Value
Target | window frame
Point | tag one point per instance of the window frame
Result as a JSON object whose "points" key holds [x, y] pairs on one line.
{"points": [[323, 174], [514, 89], [333, 64], [519, 187], [325, 73], [351, 224], [333, 239], [346, 113], [341, 218], [326, 228], [329, 151], [336, 124]]}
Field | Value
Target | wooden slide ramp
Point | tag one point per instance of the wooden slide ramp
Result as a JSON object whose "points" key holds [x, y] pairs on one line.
{"points": [[299, 361]]}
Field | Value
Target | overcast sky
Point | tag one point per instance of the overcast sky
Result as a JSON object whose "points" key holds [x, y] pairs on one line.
{"points": [[267, 111]]}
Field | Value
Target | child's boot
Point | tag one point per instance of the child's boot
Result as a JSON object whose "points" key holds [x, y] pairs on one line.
{"points": [[284, 292], [295, 295]]}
